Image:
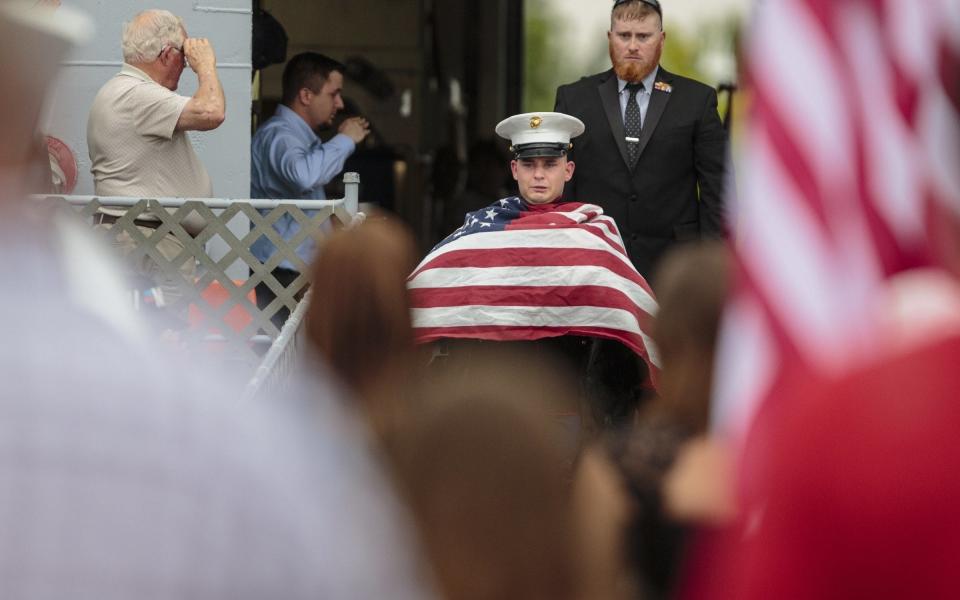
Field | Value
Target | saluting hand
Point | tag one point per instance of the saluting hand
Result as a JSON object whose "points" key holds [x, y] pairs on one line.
{"points": [[199, 54]]}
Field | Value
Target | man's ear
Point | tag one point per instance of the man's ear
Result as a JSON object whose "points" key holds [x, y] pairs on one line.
{"points": [[513, 169], [570, 166], [304, 96]]}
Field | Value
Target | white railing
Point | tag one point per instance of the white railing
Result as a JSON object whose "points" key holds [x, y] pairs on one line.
{"points": [[215, 306], [286, 351]]}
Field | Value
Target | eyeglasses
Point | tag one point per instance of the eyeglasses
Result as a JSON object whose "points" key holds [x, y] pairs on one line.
{"points": [[654, 4], [177, 48]]}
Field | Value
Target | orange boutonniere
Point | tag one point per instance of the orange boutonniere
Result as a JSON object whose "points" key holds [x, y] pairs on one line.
{"points": [[663, 87]]}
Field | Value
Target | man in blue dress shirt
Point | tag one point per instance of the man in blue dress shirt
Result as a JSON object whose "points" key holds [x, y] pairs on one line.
{"points": [[288, 160]]}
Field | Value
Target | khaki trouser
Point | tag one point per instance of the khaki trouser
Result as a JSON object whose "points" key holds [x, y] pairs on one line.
{"points": [[171, 284]]}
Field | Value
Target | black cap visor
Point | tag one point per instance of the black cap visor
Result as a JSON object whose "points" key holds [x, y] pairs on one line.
{"points": [[539, 149]]}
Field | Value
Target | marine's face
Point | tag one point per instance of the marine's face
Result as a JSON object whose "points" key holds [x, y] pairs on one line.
{"points": [[635, 47], [541, 179]]}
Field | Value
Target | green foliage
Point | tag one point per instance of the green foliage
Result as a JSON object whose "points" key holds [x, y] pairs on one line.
{"points": [[546, 60]]}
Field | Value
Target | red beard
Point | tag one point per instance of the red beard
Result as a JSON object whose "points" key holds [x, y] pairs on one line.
{"points": [[629, 71]]}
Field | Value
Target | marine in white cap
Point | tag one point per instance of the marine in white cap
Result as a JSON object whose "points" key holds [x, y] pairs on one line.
{"points": [[539, 142]]}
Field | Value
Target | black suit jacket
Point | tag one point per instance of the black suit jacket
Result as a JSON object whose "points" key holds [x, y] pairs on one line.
{"points": [[674, 192]]}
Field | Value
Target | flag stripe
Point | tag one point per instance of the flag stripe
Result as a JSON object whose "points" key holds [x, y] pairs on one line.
{"points": [[553, 277], [608, 229], [521, 296], [515, 271], [470, 315], [853, 133], [534, 239], [575, 227], [548, 257]]}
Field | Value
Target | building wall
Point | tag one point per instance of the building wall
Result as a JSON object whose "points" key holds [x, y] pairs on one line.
{"points": [[226, 23]]}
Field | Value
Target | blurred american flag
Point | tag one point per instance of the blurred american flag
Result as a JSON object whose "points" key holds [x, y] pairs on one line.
{"points": [[851, 147]]}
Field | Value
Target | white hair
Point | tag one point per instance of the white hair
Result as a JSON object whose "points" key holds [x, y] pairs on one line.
{"points": [[148, 32]]}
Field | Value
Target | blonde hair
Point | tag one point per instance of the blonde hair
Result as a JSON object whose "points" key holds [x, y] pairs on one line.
{"points": [[148, 32], [634, 11]]}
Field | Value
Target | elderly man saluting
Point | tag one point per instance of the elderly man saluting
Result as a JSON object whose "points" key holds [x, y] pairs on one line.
{"points": [[136, 132]]}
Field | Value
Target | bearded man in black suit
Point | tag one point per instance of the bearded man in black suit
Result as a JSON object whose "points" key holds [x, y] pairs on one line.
{"points": [[653, 155]]}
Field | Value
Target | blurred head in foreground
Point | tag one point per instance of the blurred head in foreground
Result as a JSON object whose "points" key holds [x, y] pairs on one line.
{"points": [[484, 469], [359, 318], [116, 489], [691, 286]]}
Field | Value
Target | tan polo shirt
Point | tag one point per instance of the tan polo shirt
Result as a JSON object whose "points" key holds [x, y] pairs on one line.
{"points": [[134, 147]]}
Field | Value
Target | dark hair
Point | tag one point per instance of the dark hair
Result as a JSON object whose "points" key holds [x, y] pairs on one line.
{"points": [[483, 469], [691, 283], [307, 70]]}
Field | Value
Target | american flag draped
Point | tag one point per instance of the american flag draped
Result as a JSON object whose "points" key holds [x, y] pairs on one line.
{"points": [[519, 271], [852, 145]]}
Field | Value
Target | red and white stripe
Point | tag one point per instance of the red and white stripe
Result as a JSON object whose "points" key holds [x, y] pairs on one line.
{"points": [[852, 137], [550, 274]]}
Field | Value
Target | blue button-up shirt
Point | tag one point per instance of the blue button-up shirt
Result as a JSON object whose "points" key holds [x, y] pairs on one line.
{"points": [[288, 160]]}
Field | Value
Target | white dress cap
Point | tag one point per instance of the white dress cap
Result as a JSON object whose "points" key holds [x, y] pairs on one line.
{"points": [[540, 134]]}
